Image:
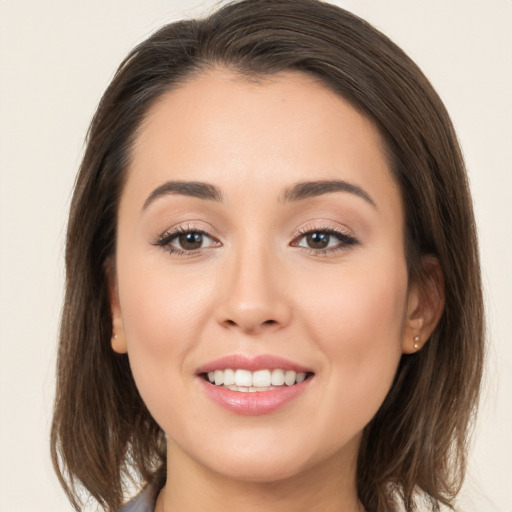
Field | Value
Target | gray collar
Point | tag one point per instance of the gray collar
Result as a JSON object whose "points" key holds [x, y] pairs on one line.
{"points": [[143, 502]]}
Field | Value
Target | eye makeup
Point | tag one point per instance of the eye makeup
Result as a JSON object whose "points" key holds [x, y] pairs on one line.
{"points": [[187, 239], [321, 240]]}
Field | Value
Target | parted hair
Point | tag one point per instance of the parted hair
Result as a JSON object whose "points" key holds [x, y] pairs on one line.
{"points": [[414, 450]]}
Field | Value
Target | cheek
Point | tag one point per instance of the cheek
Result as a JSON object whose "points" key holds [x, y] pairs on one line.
{"points": [[357, 322], [163, 314], [162, 306], [359, 306]]}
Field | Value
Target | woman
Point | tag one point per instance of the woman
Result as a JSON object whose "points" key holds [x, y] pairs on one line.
{"points": [[273, 297]]}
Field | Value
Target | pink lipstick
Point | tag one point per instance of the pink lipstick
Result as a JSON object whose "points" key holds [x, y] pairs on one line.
{"points": [[253, 385]]}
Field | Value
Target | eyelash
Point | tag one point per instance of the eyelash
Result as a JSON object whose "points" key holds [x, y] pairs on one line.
{"points": [[345, 240], [166, 238]]}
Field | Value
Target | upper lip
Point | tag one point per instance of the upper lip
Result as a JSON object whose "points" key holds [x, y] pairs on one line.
{"points": [[252, 363]]}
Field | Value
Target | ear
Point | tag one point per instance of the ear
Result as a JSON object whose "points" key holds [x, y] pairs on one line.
{"points": [[118, 340], [425, 305]]}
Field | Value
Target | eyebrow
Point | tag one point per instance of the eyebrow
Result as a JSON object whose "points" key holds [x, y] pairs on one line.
{"points": [[185, 188], [308, 189], [299, 191]]}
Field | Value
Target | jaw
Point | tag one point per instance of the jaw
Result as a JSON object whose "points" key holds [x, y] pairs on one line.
{"points": [[326, 486]]}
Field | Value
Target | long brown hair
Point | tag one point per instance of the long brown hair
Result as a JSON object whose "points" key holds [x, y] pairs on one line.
{"points": [[102, 432]]}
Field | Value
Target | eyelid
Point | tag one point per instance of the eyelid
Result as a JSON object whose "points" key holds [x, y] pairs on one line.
{"points": [[324, 226], [345, 236], [165, 238]]}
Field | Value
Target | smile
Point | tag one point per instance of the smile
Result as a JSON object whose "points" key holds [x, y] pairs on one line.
{"points": [[258, 381], [254, 385]]}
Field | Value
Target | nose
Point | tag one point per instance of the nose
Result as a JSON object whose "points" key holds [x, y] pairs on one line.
{"points": [[254, 298]]}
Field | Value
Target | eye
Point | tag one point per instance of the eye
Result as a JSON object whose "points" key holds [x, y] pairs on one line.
{"points": [[184, 240], [318, 240], [324, 240]]}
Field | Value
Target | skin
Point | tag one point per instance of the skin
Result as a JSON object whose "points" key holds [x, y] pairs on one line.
{"points": [[256, 287]]}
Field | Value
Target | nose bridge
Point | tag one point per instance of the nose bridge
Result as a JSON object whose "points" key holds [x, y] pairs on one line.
{"points": [[254, 297]]}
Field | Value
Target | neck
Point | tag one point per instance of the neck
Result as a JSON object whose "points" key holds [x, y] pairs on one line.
{"points": [[327, 487]]}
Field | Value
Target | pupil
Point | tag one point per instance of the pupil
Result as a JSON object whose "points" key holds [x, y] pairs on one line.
{"points": [[318, 240], [191, 241]]}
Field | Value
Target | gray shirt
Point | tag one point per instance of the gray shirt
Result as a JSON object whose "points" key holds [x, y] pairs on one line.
{"points": [[143, 502]]}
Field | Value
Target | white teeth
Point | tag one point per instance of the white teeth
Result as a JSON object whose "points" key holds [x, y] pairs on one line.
{"points": [[249, 390], [289, 377], [218, 376], [229, 377], [243, 378], [277, 378], [260, 380]]}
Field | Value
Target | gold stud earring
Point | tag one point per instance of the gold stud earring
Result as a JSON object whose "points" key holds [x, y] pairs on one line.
{"points": [[416, 342]]}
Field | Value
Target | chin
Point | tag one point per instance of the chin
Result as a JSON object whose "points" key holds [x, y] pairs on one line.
{"points": [[273, 462], [259, 471]]}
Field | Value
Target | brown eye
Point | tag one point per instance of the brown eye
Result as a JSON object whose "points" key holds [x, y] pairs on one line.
{"points": [[190, 241], [326, 240], [184, 241], [318, 240]]}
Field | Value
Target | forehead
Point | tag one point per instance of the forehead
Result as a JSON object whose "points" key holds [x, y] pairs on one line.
{"points": [[222, 128]]}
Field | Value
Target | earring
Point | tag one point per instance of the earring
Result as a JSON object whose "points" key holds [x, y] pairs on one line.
{"points": [[114, 336], [416, 342]]}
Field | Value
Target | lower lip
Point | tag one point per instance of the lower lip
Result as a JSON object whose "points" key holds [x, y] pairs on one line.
{"points": [[255, 403]]}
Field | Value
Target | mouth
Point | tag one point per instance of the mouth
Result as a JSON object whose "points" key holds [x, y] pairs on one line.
{"points": [[249, 382], [251, 385]]}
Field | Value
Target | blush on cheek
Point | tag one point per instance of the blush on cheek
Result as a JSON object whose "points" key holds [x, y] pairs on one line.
{"points": [[156, 380], [159, 311], [363, 318], [361, 328]]}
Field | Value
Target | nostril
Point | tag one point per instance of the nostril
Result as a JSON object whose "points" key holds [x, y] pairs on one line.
{"points": [[250, 326]]}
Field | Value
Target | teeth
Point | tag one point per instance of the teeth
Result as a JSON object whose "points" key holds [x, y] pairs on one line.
{"points": [[229, 377], [242, 378], [252, 389], [277, 378], [218, 377], [289, 378], [261, 380]]}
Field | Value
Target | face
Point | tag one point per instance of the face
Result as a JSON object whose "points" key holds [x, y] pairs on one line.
{"points": [[260, 239]]}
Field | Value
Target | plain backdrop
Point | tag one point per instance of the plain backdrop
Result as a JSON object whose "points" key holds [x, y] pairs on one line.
{"points": [[57, 57]]}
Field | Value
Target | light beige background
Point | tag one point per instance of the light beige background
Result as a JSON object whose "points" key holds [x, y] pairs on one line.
{"points": [[56, 58]]}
